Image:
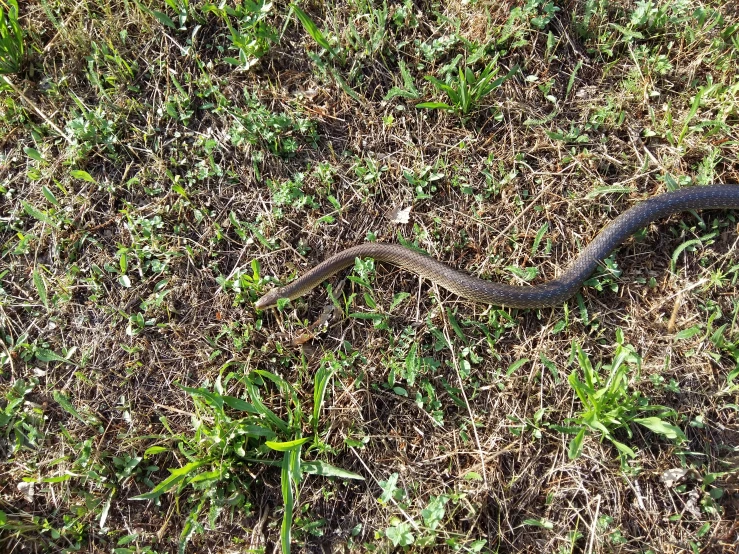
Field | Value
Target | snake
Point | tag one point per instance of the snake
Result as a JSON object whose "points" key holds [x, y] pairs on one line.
{"points": [[547, 294]]}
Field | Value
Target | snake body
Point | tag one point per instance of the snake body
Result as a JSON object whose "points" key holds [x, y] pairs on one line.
{"points": [[550, 293]]}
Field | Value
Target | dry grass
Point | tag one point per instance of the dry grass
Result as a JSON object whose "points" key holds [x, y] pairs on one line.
{"points": [[448, 410]]}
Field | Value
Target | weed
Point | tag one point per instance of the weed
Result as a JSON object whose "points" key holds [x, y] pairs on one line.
{"points": [[246, 284], [424, 180], [408, 90], [608, 404], [224, 445], [19, 418], [371, 40], [313, 30], [90, 129], [107, 69], [11, 38], [468, 90], [179, 104], [252, 35], [184, 12], [256, 125]]}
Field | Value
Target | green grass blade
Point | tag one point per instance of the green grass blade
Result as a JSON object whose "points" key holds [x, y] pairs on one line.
{"points": [[691, 114], [679, 250], [37, 214], [288, 445], [434, 106], [345, 86], [239, 404], [320, 384], [657, 425], [38, 281], [290, 468], [64, 402], [263, 410], [176, 476], [213, 399], [623, 449], [575, 447], [11, 38], [312, 29], [317, 467]]}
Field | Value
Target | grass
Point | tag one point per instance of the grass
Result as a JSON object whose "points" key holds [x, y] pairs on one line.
{"points": [[164, 164]]}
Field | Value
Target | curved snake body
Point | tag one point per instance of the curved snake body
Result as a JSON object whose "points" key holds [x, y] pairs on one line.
{"points": [[550, 293]]}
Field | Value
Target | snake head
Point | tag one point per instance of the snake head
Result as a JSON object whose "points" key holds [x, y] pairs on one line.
{"points": [[269, 300]]}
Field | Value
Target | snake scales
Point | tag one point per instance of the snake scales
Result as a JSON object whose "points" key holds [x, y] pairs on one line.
{"points": [[550, 293]]}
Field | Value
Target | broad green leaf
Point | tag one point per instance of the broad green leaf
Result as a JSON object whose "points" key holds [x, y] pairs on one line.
{"points": [[397, 299], [58, 478], [434, 106], [500, 80], [153, 450], [671, 183], [239, 404], [433, 513], [213, 399], [123, 262], [543, 523], [312, 29], [207, 476], [49, 195], [164, 19], [388, 488], [64, 402], [290, 467], [46, 355], [320, 384], [33, 153], [317, 467], [623, 448], [286, 446], [258, 431], [176, 476], [276, 379], [689, 332], [37, 214], [691, 114], [657, 425], [539, 235], [83, 175], [611, 189], [38, 281], [372, 317], [596, 424], [191, 525], [575, 447], [579, 388], [264, 410], [628, 33], [400, 534], [345, 86], [679, 250], [515, 365]]}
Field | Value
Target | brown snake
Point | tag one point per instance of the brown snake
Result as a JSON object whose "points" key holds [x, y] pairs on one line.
{"points": [[550, 293]]}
